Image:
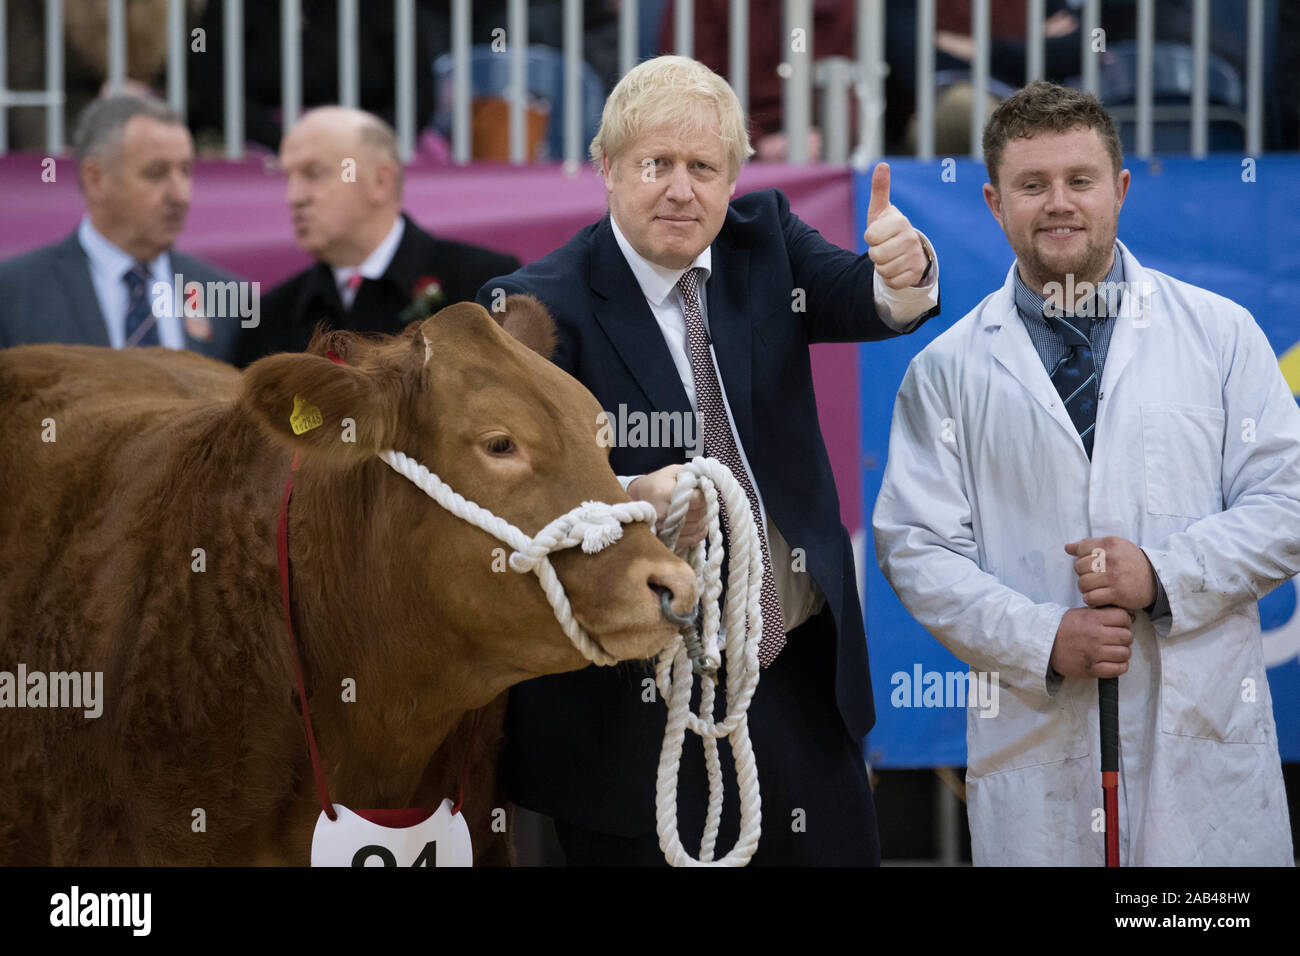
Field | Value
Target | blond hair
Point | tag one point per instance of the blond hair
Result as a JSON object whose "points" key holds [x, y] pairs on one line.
{"points": [[668, 91]]}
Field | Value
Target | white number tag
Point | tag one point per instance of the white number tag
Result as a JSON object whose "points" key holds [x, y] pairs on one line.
{"points": [[441, 839]]}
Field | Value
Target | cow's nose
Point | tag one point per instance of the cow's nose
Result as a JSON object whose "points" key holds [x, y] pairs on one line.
{"points": [[677, 592]]}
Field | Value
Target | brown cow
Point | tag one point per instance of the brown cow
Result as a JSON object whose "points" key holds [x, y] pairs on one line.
{"points": [[159, 453]]}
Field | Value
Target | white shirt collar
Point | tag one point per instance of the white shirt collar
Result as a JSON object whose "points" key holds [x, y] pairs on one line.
{"points": [[375, 264], [112, 262], [656, 281]]}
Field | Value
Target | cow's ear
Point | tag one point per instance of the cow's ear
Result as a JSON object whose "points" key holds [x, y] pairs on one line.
{"points": [[331, 411], [526, 319]]}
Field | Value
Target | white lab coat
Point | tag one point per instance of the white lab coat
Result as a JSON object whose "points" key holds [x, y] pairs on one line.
{"points": [[1197, 460]]}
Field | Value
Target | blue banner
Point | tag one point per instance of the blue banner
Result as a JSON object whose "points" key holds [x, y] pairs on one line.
{"points": [[1226, 224]]}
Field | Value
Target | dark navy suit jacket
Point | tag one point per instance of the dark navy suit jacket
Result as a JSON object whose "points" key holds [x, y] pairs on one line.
{"points": [[47, 295], [583, 746]]}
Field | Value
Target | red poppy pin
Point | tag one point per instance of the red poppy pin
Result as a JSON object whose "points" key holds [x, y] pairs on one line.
{"points": [[426, 298]]}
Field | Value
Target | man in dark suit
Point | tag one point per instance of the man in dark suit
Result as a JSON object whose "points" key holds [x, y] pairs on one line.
{"points": [[680, 301], [113, 281], [376, 269]]}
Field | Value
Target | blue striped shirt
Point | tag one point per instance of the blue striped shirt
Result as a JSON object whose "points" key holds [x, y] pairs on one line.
{"points": [[1048, 342]]}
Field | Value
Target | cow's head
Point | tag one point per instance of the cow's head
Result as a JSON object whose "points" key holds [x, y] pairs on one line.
{"points": [[479, 403]]}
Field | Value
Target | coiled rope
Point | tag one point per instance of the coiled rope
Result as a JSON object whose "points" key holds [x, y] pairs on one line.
{"points": [[594, 525], [697, 652]]}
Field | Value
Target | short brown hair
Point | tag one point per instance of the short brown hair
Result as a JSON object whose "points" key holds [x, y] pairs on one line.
{"points": [[1043, 107]]}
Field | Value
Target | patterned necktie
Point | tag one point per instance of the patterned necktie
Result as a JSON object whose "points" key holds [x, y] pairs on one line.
{"points": [[141, 323], [1075, 375], [720, 443]]}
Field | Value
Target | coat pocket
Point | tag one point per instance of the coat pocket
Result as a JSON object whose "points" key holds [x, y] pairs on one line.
{"points": [[1182, 449], [1030, 729], [1212, 681]]}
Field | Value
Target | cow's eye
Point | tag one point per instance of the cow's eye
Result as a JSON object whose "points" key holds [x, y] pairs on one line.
{"points": [[500, 445]]}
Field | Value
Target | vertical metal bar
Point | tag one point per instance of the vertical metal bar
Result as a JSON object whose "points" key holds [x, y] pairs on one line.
{"points": [[1200, 77], [979, 75], [1091, 23], [404, 41], [349, 71], [797, 99], [835, 74], [925, 79], [460, 85], [1034, 42], [54, 76], [4, 78], [116, 45], [738, 52], [684, 27], [1146, 32], [572, 84], [1255, 78], [870, 81], [290, 62], [517, 26], [627, 35], [176, 34], [233, 78]]}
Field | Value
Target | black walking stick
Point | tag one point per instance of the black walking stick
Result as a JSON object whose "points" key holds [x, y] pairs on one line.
{"points": [[1108, 718]]}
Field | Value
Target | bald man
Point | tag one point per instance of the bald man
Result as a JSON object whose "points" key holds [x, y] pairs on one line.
{"points": [[373, 263]]}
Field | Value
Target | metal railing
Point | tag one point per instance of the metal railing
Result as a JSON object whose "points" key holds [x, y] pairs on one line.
{"points": [[847, 84]]}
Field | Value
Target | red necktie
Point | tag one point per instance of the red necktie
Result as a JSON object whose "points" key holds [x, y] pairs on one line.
{"points": [[720, 443]]}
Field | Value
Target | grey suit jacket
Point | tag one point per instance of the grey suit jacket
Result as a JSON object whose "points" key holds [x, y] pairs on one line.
{"points": [[47, 295]]}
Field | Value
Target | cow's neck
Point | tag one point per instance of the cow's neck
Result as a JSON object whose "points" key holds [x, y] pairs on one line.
{"points": [[388, 679]]}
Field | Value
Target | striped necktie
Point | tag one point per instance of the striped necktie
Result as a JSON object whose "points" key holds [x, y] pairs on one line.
{"points": [[720, 443], [1075, 375], [141, 323]]}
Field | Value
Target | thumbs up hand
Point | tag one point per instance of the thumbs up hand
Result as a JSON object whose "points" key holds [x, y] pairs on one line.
{"points": [[893, 245]]}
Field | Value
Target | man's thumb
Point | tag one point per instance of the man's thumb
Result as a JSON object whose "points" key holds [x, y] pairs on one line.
{"points": [[879, 192]]}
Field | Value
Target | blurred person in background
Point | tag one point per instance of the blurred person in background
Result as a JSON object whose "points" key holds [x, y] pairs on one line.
{"points": [[376, 269], [85, 57], [112, 282]]}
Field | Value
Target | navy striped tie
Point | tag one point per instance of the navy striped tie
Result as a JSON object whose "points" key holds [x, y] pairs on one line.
{"points": [[1075, 375], [141, 324]]}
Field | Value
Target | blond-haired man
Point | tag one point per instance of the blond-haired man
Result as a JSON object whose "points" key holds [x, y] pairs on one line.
{"points": [[686, 304]]}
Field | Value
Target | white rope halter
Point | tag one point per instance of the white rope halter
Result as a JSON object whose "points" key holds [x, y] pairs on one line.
{"points": [[595, 525]]}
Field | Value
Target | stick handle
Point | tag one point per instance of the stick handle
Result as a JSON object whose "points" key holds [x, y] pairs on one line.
{"points": [[1108, 702]]}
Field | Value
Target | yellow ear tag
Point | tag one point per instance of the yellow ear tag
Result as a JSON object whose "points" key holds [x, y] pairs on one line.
{"points": [[305, 416]]}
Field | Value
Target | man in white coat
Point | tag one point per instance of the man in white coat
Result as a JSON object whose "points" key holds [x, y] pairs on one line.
{"points": [[1096, 473]]}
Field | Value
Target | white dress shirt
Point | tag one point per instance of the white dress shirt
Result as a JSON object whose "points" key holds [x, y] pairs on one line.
{"points": [[900, 309], [374, 266], [108, 268]]}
